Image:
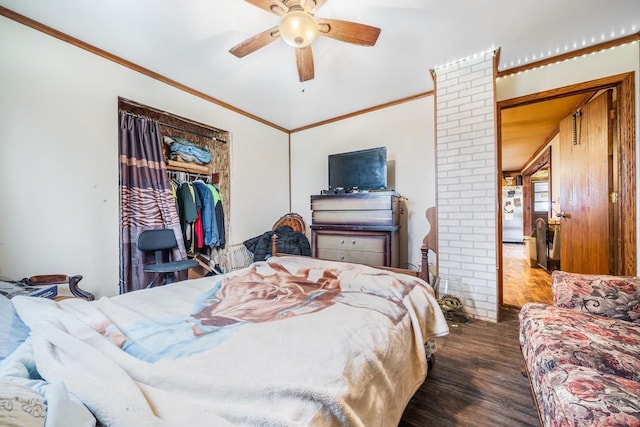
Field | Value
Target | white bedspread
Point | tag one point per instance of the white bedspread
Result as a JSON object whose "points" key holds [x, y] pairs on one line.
{"points": [[288, 342]]}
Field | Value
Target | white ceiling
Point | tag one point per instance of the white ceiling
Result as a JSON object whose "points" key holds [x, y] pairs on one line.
{"points": [[188, 41]]}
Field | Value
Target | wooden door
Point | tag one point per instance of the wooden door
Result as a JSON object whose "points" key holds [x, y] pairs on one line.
{"points": [[585, 184]]}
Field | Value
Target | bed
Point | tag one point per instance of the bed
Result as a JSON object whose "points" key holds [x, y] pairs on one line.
{"points": [[291, 341]]}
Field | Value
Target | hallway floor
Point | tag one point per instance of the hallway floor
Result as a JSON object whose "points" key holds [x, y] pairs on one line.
{"points": [[522, 283]]}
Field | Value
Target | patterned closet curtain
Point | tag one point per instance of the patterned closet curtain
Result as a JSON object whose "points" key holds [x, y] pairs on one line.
{"points": [[146, 198]]}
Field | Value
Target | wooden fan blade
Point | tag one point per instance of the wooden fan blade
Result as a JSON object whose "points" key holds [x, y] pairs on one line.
{"points": [[256, 42], [350, 32], [312, 6], [304, 60], [273, 6]]}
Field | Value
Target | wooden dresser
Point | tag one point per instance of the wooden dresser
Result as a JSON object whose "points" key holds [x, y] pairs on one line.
{"points": [[356, 227]]}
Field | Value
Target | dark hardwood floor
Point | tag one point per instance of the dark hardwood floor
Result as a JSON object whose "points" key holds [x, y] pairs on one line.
{"points": [[476, 380], [522, 283]]}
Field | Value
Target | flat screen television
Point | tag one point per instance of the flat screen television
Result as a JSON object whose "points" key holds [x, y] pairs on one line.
{"points": [[358, 170]]}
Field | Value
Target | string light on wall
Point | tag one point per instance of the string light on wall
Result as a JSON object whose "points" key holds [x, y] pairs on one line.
{"points": [[566, 56], [467, 58], [569, 46]]}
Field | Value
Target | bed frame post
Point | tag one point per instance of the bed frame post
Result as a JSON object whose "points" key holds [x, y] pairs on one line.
{"points": [[274, 244], [424, 268], [430, 242]]}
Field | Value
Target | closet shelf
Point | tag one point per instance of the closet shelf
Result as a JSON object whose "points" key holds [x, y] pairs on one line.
{"points": [[187, 167]]}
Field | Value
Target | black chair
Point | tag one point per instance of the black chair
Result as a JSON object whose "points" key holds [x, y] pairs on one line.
{"points": [[542, 248], [161, 242]]}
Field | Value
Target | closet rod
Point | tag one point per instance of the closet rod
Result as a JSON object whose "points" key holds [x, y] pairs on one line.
{"points": [[192, 132], [176, 127], [189, 175]]}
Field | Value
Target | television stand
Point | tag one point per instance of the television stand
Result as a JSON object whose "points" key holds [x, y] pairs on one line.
{"points": [[360, 227]]}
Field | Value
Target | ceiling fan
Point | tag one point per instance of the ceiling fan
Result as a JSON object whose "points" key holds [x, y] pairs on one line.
{"points": [[299, 28]]}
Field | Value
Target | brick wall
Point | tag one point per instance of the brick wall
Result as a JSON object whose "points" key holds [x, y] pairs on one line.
{"points": [[466, 183]]}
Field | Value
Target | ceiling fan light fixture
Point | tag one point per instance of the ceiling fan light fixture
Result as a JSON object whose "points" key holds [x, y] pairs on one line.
{"points": [[298, 28]]}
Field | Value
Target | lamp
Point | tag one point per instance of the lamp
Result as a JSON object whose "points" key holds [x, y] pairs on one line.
{"points": [[298, 28]]}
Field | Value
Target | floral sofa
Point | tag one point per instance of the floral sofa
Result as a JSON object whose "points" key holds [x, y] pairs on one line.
{"points": [[583, 352]]}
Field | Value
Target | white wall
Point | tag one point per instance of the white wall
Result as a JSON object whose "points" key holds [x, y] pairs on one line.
{"points": [[621, 59], [407, 130], [59, 158]]}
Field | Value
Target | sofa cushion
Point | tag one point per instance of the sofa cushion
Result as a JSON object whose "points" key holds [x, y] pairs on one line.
{"points": [[577, 396], [612, 296], [552, 336], [584, 368]]}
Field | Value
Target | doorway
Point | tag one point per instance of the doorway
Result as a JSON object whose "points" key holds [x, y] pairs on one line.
{"points": [[541, 195], [621, 159]]}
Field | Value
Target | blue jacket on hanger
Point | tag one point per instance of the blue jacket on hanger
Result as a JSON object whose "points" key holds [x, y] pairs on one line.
{"points": [[208, 213]]}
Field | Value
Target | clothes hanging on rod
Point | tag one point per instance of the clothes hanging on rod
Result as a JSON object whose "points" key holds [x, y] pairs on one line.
{"points": [[208, 195], [187, 212], [201, 213]]}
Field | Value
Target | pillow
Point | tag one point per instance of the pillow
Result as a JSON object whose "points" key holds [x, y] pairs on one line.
{"points": [[13, 330], [21, 406], [617, 297]]}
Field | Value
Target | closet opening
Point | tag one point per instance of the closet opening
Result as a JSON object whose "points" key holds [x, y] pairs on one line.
{"points": [[192, 159]]}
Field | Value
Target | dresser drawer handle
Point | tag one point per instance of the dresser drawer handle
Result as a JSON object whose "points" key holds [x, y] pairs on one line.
{"points": [[341, 256], [353, 242], [342, 241]]}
